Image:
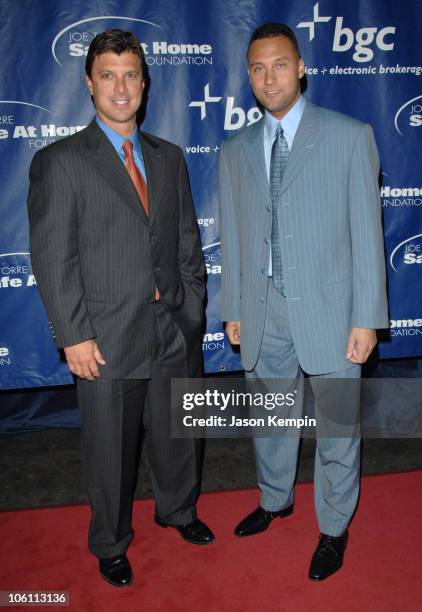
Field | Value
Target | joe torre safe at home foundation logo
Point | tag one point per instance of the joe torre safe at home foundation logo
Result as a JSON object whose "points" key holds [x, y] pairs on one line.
{"points": [[73, 40], [15, 272], [409, 116], [33, 124], [5, 356], [407, 254]]}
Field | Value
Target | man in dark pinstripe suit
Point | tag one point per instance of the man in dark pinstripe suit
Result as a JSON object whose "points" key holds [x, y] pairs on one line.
{"points": [[116, 251]]}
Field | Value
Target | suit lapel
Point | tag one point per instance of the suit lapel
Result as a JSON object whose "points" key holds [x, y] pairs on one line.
{"points": [[305, 142], [111, 168], [254, 152], [154, 167]]}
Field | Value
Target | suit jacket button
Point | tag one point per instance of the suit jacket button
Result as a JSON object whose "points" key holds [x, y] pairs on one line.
{"points": [[261, 299], [266, 240], [268, 208], [263, 271]]}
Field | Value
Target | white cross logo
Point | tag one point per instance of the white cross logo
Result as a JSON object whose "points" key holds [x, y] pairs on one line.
{"points": [[207, 98], [311, 24]]}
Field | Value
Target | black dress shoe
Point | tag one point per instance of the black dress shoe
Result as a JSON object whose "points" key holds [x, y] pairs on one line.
{"points": [[328, 556], [116, 571], [195, 532], [259, 520]]}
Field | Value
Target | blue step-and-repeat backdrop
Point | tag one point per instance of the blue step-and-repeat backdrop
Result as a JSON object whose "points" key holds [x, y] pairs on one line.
{"points": [[362, 57]]}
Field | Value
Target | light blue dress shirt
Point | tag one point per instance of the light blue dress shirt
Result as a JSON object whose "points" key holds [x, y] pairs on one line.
{"points": [[289, 123], [117, 141]]}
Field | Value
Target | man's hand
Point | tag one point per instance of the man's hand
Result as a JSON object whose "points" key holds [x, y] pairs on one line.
{"points": [[83, 358], [233, 332], [361, 344]]}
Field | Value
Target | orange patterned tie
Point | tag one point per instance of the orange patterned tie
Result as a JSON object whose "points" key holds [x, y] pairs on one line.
{"points": [[138, 181], [137, 178]]}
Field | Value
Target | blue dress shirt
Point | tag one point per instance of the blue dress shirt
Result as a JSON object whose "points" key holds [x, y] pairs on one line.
{"points": [[289, 123], [117, 141]]}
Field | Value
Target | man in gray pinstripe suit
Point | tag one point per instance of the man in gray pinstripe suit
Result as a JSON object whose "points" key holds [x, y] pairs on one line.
{"points": [[303, 284], [116, 252]]}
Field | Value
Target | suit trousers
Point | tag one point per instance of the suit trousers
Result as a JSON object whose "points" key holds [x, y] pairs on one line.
{"points": [[337, 460], [115, 415]]}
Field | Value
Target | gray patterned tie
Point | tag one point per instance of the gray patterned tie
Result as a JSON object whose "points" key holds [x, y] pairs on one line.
{"points": [[279, 155]]}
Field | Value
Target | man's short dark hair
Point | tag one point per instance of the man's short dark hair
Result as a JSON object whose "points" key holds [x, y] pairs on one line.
{"points": [[272, 29], [113, 41]]}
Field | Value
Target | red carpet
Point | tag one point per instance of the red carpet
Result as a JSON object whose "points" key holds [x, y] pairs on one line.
{"points": [[46, 550]]}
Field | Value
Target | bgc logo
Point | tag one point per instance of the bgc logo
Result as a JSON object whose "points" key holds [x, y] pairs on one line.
{"points": [[409, 115], [345, 38], [206, 221], [407, 253], [234, 117]]}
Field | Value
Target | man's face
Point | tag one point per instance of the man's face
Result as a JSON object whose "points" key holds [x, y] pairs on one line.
{"points": [[116, 85], [275, 70]]}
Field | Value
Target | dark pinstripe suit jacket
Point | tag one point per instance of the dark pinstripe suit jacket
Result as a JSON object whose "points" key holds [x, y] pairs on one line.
{"points": [[98, 258]]}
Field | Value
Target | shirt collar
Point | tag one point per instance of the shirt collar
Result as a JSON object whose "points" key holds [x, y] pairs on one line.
{"points": [[290, 121], [117, 140]]}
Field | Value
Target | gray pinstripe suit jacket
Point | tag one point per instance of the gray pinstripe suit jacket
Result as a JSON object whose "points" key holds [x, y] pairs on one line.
{"points": [[331, 237], [98, 258]]}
